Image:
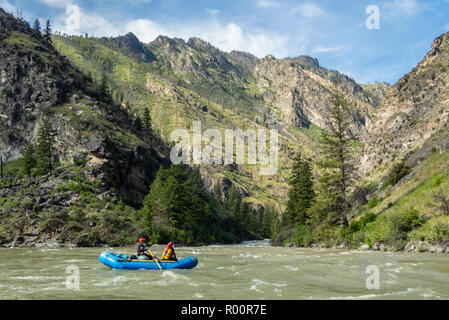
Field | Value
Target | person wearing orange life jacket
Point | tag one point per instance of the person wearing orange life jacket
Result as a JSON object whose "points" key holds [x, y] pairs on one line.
{"points": [[169, 252]]}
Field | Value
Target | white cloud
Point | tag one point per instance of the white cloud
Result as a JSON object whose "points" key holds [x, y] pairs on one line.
{"points": [[5, 5], [226, 37], [309, 10], [91, 23], [320, 49], [58, 3], [213, 12], [267, 4]]}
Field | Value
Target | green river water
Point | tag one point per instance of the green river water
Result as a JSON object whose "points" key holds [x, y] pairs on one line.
{"points": [[249, 271]]}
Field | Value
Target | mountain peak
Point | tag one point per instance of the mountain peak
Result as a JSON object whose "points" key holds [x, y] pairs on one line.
{"points": [[440, 44], [307, 61]]}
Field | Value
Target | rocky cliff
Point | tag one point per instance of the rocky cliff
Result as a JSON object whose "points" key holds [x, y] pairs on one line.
{"points": [[414, 109], [37, 82], [302, 90]]}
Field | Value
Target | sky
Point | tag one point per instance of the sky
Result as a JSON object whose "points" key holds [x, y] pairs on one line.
{"points": [[368, 40]]}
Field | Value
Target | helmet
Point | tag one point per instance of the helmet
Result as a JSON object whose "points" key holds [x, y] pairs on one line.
{"points": [[170, 244], [141, 239]]}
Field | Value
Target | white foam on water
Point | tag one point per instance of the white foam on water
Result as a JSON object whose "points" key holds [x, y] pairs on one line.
{"points": [[170, 277], [174, 275], [397, 270], [261, 282], [291, 268], [431, 295], [254, 288], [232, 268], [198, 295], [49, 289], [371, 296], [34, 278]]}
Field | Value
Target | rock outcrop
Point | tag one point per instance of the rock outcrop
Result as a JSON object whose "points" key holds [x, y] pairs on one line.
{"points": [[414, 109], [302, 90], [37, 82]]}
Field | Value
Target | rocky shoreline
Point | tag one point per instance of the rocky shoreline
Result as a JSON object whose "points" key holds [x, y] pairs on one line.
{"points": [[412, 246]]}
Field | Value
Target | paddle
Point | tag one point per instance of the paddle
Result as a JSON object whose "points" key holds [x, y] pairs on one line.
{"points": [[155, 259]]}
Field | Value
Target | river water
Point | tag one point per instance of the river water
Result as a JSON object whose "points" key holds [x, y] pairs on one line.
{"points": [[248, 271]]}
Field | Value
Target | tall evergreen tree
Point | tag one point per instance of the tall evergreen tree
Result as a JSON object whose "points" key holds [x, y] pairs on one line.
{"points": [[217, 192], [138, 124], [337, 165], [147, 122], [47, 31], [28, 161], [104, 89], [301, 194], [37, 26], [45, 147], [176, 207]]}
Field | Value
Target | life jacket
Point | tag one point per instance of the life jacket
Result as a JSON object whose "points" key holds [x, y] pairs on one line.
{"points": [[169, 252], [140, 249]]}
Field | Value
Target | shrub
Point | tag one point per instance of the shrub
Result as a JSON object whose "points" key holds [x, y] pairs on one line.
{"points": [[393, 229], [432, 231], [436, 180], [398, 171], [303, 236], [441, 203], [372, 202], [53, 220]]}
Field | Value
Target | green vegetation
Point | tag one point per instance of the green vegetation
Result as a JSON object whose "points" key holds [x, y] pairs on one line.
{"points": [[149, 85], [321, 215], [301, 195], [398, 171], [28, 161], [178, 209], [45, 147], [393, 230]]}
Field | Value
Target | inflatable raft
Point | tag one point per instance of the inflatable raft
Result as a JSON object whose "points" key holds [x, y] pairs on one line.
{"points": [[118, 261]]}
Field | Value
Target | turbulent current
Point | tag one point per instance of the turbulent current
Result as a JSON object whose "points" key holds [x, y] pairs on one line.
{"points": [[248, 271]]}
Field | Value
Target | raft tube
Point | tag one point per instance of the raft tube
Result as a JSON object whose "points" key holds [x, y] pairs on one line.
{"points": [[118, 261]]}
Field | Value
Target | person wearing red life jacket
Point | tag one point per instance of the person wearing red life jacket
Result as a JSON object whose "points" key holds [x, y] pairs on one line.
{"points": [[169, 252]]}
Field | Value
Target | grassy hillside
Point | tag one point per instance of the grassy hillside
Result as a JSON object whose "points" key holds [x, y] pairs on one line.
{"points": [[138, 85]]}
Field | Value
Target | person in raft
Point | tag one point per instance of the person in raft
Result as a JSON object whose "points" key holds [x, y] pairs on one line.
{"points": [[169, 252], [142, 250]]}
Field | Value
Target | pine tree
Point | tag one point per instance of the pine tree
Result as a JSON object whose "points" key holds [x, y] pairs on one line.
{"points": [[301, 194], [37, 26], [47, 31], [147, 123], [104, 89], [217, 192], [138, 124], [28, 161], [337, 166], [176, 207], [45, 147]]}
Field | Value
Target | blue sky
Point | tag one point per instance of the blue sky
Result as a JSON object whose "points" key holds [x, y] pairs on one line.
{"points": [[333, 31]]}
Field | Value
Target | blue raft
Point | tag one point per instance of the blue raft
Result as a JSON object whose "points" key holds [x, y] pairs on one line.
{"points": [[118, 261]]}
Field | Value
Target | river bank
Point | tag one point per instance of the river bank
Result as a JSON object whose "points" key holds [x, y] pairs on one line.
{"points": [[412, 246]]}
